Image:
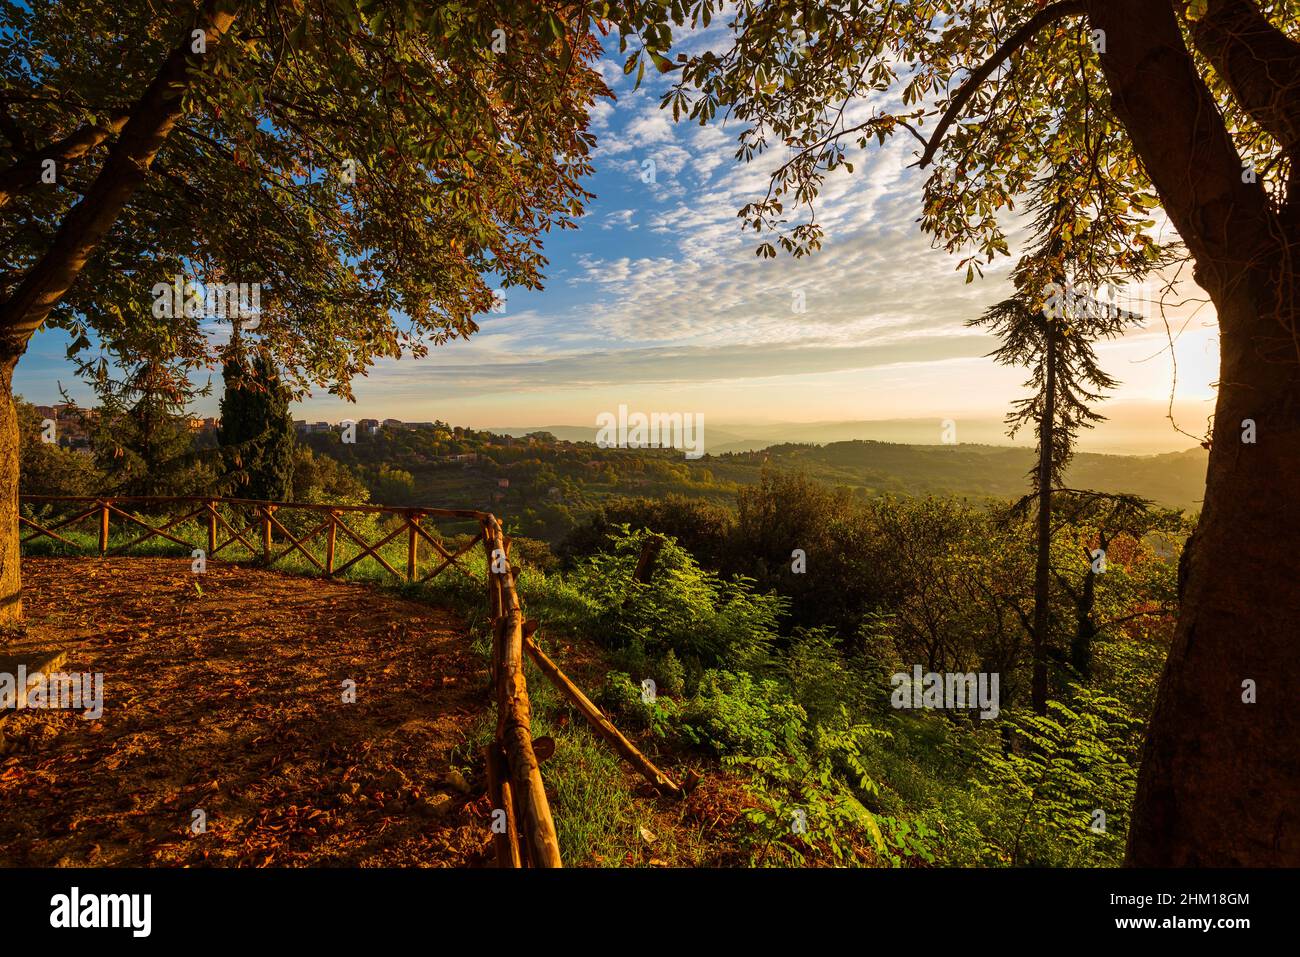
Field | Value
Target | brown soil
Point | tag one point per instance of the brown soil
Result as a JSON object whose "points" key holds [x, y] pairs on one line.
{"points": [[229, 700]]}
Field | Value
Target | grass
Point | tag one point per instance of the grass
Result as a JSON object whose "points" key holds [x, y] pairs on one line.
{"points": [[598, 818]]}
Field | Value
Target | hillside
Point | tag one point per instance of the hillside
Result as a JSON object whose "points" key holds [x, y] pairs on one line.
{"points": [[770, 693], [1174, 479], [543, 484]]}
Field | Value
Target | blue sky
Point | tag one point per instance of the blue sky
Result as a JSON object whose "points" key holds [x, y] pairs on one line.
{"points": [[657, 301]]}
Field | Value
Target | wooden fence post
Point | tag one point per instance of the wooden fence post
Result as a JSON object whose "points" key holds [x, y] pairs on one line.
{"points": [[103, 528], [212, 526], [412, 546], [506, 841], [329, 543], [514, 714], [645, 563], [266, 533], [494, 601]]}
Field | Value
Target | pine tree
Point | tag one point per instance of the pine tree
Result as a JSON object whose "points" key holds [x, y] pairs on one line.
{"points": [[1066, 381], [1051, 329], [141, 434]]}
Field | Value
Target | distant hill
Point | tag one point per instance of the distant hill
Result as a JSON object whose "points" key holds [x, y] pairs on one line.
{"points": [[719, 440], [544, 484], [1133, 428], [723, 437], [1175, 479]]}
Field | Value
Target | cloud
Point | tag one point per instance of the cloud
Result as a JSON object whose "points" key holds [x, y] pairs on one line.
{"points": [[661, 286], [669, 365]]}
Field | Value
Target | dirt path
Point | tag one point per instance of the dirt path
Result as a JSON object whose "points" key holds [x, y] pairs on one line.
{"points": [[230, 701]]}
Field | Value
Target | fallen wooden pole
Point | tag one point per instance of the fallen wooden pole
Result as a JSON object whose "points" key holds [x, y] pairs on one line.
{"points": [[505, 835], [514, 712], [662, 782]]}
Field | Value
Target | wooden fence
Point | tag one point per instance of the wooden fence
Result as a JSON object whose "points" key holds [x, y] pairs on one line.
{"points": [[256, 525], [523, 828]]}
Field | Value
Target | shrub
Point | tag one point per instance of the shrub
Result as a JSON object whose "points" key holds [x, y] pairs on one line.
{"points": [[703, 528], [1042, 797], [703, 620], [621, 697], [734, 713], [809, 808]]}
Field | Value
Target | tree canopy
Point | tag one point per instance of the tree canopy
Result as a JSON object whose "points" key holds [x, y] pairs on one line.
{"points": [[992, 94], [377, 168]]}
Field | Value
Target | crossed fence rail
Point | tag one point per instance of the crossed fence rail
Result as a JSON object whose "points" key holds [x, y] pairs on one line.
{"points": [[524, 831]]}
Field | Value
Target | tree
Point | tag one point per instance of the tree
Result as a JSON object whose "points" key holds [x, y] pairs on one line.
{"points": [[141, 434], [701, 527], [256, 429], [804, 539], [362, 169], [1189, 105], [49, 468], [1057, 344], [1056, 409], [392, 486], [323, 480], [1051, 330], [1104, 520]]}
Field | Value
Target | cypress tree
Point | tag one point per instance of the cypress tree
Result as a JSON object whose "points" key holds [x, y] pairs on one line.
{"points": [[256, 429]]}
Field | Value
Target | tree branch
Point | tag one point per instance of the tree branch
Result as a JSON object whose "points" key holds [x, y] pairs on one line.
{"points": [[1259, 63], [1181, 138], [87, 223], [1026, 32], [26, 173], [12, 131]]}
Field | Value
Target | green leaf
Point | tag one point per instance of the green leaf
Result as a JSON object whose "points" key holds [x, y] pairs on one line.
{"points": [[662, 62]]}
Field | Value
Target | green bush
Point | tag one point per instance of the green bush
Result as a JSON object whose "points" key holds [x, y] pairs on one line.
{"points": [[1042, 797], [732, 712], [809, 800], [621, 697], [702, 619]]}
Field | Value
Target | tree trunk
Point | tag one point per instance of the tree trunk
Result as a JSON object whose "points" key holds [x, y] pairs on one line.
{"points": [[11, 583], [1086, 630], [645, 563], [1043, 568], [1220, 778], [76, 240]]}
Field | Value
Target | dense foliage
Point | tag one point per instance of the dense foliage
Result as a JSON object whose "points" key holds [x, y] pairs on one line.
{"points": [[322, 151], [256, 431], [787, 680], [804, 716]]}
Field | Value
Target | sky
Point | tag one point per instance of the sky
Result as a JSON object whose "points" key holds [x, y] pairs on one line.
{"points": [[658, 302]]}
